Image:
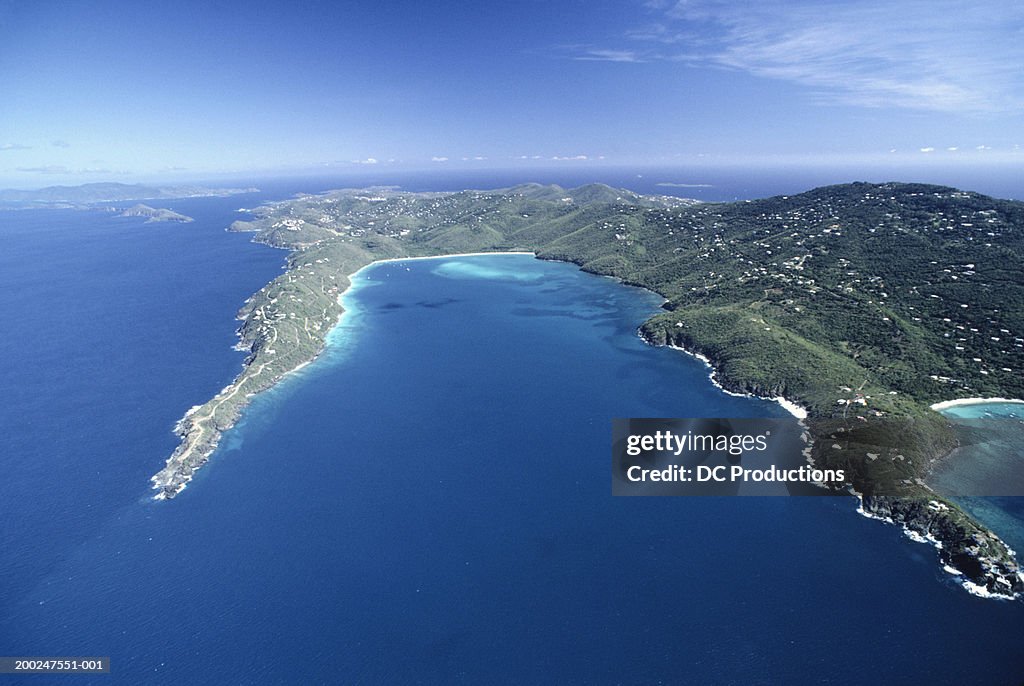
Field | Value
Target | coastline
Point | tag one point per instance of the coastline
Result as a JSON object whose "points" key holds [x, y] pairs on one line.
{"points": [[927, 537], [993, 570], [443, 256], [793, 408], [172, 480]]}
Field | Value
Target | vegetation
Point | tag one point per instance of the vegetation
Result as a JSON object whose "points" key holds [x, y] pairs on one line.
{"points": [[153, 214]]}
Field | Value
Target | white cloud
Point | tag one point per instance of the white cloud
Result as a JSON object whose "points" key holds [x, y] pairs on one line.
{"points": [[949, 55], [438, 159], [368, 160], [927, 149], [668, 184], [47, 169], [72, 171], [14, 146], [603, 55]]}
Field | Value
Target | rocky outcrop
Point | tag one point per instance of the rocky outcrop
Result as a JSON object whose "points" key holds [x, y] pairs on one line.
{"points": [[979, 555]]}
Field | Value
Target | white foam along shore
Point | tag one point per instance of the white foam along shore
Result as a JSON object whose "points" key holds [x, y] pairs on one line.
{"points": [[929, 539], [946, 404], [793, 408]]}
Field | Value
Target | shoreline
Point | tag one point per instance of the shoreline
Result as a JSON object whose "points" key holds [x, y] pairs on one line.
{"points": [[946, 404], [441, 257], [183, 428], [929, 539], [798, 411]]}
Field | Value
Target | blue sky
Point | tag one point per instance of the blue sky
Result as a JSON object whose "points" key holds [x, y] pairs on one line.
{"points": [[117, 91]]}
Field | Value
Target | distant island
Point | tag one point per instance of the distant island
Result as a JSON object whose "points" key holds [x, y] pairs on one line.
{"points": [[154, 214], [862, 303], [91, 193]]}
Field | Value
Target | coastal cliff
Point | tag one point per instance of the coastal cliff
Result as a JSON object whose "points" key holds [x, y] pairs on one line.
{"points": [[964, 547]]}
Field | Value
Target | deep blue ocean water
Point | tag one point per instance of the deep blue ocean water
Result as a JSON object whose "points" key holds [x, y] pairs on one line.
{"points": [[429, 502]]}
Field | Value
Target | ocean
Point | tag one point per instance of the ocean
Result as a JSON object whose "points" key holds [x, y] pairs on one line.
{"points": [[428, 502]]}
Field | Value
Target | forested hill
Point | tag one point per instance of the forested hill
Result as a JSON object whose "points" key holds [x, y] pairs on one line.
{"points": [[900, 287], [898, 291]]}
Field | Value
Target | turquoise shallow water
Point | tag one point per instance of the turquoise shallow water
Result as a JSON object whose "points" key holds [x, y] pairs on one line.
{"points": [[986, 474], [990, 459], [988, 410], [430, 501]]}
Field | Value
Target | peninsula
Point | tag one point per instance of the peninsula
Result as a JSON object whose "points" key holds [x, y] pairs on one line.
{"points": [[863, 303]]}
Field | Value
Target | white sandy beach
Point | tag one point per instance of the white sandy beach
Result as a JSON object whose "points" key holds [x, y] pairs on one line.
{"points": [[441, 257], [973, 401]]}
